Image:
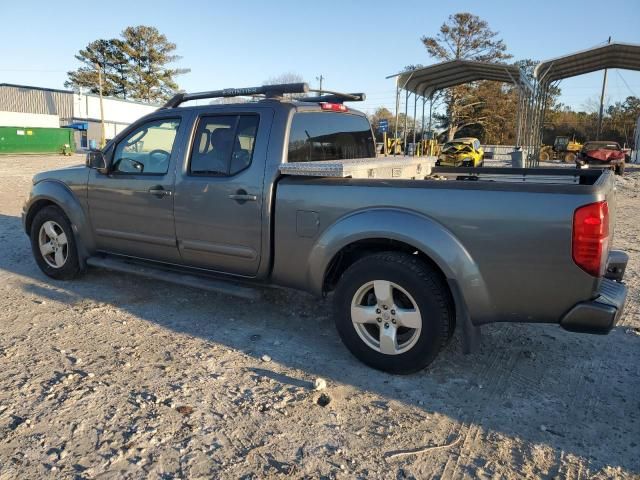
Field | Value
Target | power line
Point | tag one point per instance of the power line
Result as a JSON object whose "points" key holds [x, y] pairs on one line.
{"points": [[30, 70], [625, 82]]}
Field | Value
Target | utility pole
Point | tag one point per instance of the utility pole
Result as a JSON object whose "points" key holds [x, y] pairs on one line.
{"points": [[320, 79], [600, 114], [103, 138]]}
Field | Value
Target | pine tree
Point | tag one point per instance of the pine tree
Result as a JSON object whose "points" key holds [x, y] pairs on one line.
{"points": [[149, 54], [464, 36], [135, 66]]}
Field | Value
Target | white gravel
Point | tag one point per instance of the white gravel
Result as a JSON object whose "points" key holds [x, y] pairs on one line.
{"points": [[111, 377]]}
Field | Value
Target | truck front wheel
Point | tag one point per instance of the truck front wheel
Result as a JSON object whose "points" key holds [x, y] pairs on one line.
{"points": [[393, 311], [53, 244]]}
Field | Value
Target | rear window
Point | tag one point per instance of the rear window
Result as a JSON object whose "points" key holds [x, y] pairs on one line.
{"points": [[317, 136]]}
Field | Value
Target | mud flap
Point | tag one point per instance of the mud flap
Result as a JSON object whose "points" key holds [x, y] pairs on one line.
{"points": [[470, 333]]}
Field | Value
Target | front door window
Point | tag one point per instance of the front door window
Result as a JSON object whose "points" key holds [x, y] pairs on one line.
{"points": [[147, 150]]}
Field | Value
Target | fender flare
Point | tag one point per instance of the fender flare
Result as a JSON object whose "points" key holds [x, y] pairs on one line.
{"points": [[421, 232], [56, 192]]}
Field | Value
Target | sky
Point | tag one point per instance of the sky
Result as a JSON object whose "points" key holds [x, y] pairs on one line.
{"points": [[354, 45]]}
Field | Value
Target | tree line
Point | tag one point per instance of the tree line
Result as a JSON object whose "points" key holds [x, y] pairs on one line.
{"points": [[138, 66]]}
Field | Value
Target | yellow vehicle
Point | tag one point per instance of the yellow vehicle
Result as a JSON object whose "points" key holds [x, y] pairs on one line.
{"points": [[563, 148], [461, 152]]}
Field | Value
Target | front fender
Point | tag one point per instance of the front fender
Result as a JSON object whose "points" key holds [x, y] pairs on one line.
{"points": [[419, 231], [58, 193]]}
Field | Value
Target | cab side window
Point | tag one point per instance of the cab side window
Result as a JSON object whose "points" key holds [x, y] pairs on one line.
{"points": [[147, 150], [223, 145]]}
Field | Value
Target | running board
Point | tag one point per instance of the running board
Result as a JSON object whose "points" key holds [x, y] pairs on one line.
{"points": [[171, 276]]}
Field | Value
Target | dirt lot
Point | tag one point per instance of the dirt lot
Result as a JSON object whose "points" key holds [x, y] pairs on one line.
{"points": [[112, 377]]}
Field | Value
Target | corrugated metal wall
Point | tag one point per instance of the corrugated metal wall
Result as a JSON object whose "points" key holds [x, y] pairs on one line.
{"points": [[30, 100]]}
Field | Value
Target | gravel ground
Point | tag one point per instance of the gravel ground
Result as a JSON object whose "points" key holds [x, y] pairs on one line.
{"points": [[112, 377]]}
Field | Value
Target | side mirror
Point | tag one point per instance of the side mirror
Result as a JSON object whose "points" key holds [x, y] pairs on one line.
{"points": [[97, 161]]}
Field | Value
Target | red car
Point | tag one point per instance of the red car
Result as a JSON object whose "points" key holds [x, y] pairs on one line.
{"points": [[602, 154]]}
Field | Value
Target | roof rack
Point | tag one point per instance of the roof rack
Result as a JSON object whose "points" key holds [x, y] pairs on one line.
{"points": [[269, 91], [334, 97]]}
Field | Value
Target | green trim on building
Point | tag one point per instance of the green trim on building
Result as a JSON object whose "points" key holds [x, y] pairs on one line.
{"points": [[36, 140]]}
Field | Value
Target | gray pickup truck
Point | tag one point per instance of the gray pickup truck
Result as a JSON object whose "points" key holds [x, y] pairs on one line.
{"points": [[196, 195]]}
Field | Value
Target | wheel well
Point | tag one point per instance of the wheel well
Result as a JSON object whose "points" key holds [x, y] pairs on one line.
{"points": [[33, 210], [355, 251]]}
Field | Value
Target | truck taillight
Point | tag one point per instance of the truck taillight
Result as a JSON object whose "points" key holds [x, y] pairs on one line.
{"points": [[591, 237], [334, 107]]}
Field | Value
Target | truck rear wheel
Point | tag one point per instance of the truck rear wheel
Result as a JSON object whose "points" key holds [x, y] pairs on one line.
{"points": [[54, 245], [393, 312]]}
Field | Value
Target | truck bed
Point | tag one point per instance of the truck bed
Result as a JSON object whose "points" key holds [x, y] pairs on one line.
{"points": [[422, 168], [514, 225], [520, 175]]}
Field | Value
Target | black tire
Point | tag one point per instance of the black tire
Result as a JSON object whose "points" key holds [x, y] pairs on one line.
{"points": [[423, 283], [71, 267]]}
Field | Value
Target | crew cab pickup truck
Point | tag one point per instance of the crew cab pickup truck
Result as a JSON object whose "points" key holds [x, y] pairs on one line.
{"points": [[197, 193]]}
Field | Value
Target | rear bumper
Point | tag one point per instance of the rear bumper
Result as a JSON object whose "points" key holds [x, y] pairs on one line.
{"points": [[601, 314]]}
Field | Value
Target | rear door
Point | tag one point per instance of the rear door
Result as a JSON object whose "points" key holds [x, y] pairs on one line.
{"points": [[219, 193], [132, 206]]}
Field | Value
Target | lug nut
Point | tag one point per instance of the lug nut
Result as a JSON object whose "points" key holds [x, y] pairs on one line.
{"points": [[385, 307], [379, 319], [386, 325], [393, 321], [393, 312], [377, 310]]}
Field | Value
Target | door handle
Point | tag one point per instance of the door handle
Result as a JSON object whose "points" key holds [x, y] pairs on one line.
{"points": [[242, 196], [159, 191]]}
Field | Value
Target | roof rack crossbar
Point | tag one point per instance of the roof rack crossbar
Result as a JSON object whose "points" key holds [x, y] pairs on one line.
{"points": [[269, 91], [334, 97]]}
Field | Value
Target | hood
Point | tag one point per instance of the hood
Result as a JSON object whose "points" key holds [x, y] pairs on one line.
{"points": [[604, 155], [457, 148], [76, 174]]}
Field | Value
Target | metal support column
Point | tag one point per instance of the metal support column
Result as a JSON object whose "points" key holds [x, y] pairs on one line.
{"points": [[395, 134], [406, 115], [424, 101], [415, 118]]}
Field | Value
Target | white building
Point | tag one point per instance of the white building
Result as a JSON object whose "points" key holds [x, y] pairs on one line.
{"points": [[25, 106]]}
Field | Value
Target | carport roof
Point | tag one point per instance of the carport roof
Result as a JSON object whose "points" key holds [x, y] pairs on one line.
{"points": [[426, 80], [611, 55]]}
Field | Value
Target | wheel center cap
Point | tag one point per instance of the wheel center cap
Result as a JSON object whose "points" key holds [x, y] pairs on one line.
{"points": [[386, 315]]}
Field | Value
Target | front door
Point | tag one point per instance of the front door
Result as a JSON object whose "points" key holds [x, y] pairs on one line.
{"points": [[219, 195], [132, 206]]}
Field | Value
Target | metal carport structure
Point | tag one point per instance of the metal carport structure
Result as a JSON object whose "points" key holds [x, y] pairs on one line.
{"points": [[550, 72], [425, 81]]}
